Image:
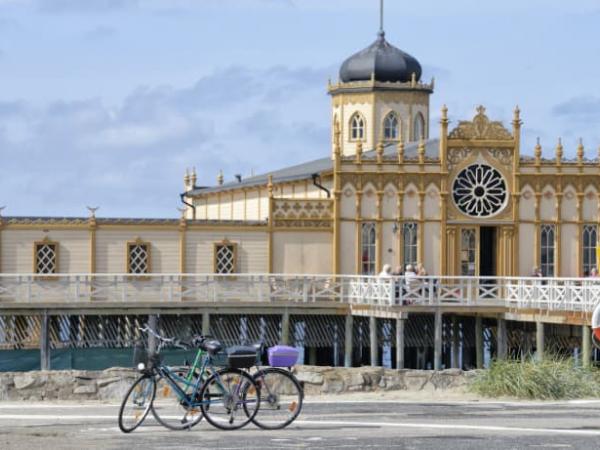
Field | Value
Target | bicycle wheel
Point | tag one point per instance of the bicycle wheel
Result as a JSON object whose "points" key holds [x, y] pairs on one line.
{"points": [[281, 398], [230, 399], [137, 403], [170, 410]]}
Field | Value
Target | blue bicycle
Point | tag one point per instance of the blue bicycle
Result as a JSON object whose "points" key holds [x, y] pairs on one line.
{"points": [[228, 397]]}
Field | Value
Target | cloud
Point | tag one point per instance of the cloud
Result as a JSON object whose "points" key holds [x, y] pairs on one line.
{"points": [[84, 6], [583, 109], [130, 157], [99, 33]]}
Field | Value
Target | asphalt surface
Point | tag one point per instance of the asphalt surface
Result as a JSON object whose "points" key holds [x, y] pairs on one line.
{"points": [[336, 425]]}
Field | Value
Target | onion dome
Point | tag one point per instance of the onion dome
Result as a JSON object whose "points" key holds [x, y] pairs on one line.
{"points": [[383, 60]]}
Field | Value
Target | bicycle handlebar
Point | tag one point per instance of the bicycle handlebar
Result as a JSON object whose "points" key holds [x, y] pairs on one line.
{"points": [[198, 339]]}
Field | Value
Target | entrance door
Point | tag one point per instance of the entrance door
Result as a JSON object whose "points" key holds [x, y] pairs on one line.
{"points": [[487, 251]]}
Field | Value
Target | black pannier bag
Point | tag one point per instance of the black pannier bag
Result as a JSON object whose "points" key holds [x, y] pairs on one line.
{"points": [[241, 357]]}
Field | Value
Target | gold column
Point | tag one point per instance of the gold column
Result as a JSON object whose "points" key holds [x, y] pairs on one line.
{"points": [[536, 237], [358, 222], [579, 230], [452, 251], [421, 230], [379, 232], [1, 226], [557, 237], [270, 223], [443, 190], [92, 227], [516, 193], [400, 238], [182, 243], [336, 198]]}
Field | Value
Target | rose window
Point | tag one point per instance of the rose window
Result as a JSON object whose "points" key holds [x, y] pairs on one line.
{"points": [[479, 191]]}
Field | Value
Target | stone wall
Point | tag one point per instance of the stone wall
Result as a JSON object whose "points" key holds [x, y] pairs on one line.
{"points": [[111, 384]]}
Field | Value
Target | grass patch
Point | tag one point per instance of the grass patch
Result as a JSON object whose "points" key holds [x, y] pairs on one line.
{"points": [[552, 378]]}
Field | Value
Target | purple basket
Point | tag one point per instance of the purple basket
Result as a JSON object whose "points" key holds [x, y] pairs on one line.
{"points": [[282, 356]]}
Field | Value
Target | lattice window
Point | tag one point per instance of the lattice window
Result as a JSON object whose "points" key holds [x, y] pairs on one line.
{"points": [[468, 252], [46, 257], [419, 127], [410, 242], [357, 128], [138, 257], [225, 257], [368, 245], [590, 241], [391, 127], [547, 234]]}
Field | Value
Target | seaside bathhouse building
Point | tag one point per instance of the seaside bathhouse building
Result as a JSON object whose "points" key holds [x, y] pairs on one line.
{"points": [[392, 189]]}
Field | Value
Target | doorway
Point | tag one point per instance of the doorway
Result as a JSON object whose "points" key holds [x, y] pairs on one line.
{"points": [[487, 251]]}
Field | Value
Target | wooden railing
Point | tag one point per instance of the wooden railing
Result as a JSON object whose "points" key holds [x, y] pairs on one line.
{"points": [[564, 294]]}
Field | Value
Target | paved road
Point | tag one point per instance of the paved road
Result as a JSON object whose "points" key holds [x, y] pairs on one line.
{"points": [[336, 425]]}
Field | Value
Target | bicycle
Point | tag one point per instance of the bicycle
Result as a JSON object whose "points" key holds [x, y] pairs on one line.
{"points": [[219, 397], [282, 396]]}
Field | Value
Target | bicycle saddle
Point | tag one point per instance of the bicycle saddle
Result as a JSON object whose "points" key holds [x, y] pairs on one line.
{"points": [[212, 346]]}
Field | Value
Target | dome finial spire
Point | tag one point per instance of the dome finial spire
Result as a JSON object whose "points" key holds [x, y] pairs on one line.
{"points": [[381, 32]]}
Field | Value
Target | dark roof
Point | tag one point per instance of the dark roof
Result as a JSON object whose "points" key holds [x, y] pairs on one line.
{"points": [[53, 220], [305, 170], [383, 60]]}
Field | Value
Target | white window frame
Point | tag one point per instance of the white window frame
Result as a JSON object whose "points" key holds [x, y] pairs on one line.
{"points": [[391, 127], [368, 248], [134, 267], [548, 249], [410, 243], [589, 241], [357, 127], [225, 249], [418, 127], [41, 249]]}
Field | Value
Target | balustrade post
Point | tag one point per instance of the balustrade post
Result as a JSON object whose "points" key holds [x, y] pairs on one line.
{"points": [[400, 343], [430, 289], [469, 290], [437, 340], [45, 342], [77, 288], [170, 288], [348, 340], [373, 341], [392, 293], [305, 289], [479, 341]]}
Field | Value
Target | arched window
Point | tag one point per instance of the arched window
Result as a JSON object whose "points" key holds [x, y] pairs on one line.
{"points": [[390, 127], [419, 127], [368, 245], [357, 128], [548, 233]]}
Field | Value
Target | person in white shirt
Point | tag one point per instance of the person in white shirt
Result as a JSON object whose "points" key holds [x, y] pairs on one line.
{"points": [[410, 281], [386, 272]]}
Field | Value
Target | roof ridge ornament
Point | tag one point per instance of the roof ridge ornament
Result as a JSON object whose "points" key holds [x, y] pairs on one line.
{"points": [[481, 127]]}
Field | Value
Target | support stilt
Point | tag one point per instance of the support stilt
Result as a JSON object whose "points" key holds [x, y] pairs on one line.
{"points": [[373, 341], [437, 341], [348, 341]]}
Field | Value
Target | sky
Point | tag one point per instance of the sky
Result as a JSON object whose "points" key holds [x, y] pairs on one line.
{"points": [[107, 102]]}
